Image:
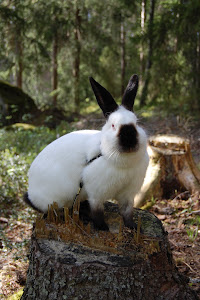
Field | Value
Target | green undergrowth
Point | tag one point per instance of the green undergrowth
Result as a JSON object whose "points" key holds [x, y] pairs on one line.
{"points": [[19, 145]]}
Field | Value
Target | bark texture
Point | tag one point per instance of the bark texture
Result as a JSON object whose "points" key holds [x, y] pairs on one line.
{"points": [[123, 56], [55, 67], [19, 58], [119, 264], [77, 54]]}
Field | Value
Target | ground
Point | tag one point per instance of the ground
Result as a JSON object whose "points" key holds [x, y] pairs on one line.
{"points": [[180, 216], [183, 233]]}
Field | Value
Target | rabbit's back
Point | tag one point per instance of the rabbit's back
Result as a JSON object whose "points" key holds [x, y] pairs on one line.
{"points": [[55, 174]]}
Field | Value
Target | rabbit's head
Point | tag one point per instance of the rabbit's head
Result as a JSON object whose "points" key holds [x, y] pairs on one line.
{"points": [[121, 133]]}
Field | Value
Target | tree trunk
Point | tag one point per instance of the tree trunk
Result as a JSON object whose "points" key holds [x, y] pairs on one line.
{"points": [[55, 68], [143, 18], [19, 67], [123, 57], [76, 71], [171, 168], [196, 69], [70, 260], [150, 54], [198, 66]]}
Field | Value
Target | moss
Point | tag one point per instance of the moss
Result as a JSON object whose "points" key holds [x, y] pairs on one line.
{"points": [[23, 126], [16, 296]]}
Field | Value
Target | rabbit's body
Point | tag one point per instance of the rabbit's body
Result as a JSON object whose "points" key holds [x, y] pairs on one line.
{"points": [[56, 173]]}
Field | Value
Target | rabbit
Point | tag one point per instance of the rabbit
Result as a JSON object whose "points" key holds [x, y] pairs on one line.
{"points": [[117, 157]]}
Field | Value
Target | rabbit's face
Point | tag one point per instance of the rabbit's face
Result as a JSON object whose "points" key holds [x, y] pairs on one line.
{"points": [[120, 133]]}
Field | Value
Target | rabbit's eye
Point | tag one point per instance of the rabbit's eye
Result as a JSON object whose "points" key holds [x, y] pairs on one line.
{"points": [[113, 126]]}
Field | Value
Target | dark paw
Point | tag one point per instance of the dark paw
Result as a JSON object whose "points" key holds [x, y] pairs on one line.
{"points": [[103, 226], [84, 212], [98, 220], [130, 224]]}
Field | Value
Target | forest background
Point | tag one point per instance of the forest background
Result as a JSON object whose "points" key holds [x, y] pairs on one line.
{"points": [[48, 50]]}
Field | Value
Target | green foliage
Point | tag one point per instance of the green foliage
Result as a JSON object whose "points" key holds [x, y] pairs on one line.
{"points": [[13, 167], [29, 30], [192, 228], [18, 148], [176, 55], [20, 143]]}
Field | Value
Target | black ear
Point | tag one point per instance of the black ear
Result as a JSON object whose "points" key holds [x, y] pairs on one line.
{"points": [[130, 93], [104, 98]]}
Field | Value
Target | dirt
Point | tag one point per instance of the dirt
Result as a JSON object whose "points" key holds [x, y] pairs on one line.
{"points": [[181, 219], [181, 213], [13, 253], [180, 216]]}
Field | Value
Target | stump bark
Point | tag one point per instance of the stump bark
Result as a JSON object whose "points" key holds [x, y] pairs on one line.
{"points": [[171, 168], [70, 260]]}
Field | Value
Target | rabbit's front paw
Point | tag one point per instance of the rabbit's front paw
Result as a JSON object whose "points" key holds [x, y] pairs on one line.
{"points": [[98, 220], [128, 222]]}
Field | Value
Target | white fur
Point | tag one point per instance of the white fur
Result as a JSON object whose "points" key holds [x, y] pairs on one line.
{"points": [[55, 174]]}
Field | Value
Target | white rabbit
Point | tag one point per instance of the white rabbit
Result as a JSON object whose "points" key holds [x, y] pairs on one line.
{"points": [[117, 172]]}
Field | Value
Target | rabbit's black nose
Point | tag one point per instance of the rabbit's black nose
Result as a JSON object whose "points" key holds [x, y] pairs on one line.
{"points": [[128, 138]]}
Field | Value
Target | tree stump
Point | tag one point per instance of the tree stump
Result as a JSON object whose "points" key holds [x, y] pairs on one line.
{"points": [[70, 260], [171, 168]]}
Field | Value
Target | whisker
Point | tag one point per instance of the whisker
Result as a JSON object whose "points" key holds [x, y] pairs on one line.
{"points": [[114, 153], [111, 154]]}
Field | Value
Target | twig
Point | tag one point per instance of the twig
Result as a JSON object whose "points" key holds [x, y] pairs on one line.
{"points": [[195, 212], [189, 267]]}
